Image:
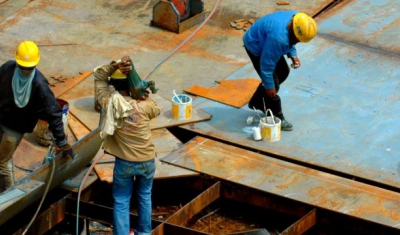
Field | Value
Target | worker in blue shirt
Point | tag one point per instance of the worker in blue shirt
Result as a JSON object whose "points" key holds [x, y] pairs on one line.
{"points": [[266, 42]]}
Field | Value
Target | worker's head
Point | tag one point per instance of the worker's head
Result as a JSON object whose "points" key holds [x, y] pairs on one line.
{"points": [[304, 27], [119, 81], [27, 55]]}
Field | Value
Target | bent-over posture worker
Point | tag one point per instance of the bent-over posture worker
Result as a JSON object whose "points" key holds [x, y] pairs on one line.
{"points": [[127, 136], [25, 97], [266, 42]]}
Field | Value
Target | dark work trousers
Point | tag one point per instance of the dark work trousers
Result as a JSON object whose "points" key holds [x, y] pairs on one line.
{"points": [[281, 72], [9, 141]]}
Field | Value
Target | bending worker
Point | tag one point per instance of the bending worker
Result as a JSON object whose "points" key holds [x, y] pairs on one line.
{"points": [[25, 97], [127, 136], [267, 41]]}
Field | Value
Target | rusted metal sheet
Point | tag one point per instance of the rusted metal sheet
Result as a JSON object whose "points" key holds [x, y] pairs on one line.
{"points": [[165, 143], [83, 109], [28, 157], [78, 130], [182, 216], [8, 8], [341, 104], [84, 149], [236, 93], [378, 28], [303, 224], [167, 15], [60, 88], [75, 182], [288, 180], [47, 219]]}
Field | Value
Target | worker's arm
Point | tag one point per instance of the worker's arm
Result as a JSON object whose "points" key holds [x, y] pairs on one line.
{"points": [[293, 56], [102, 89]]}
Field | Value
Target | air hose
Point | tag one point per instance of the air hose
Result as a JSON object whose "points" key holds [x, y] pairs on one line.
{"points": [[97, 159], [49, 157], [184, 41]]}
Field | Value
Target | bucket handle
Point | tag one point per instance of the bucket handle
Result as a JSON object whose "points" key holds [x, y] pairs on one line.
{"points": [[272, 116]]}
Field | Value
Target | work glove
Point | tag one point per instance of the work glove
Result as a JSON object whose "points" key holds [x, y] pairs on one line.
{"points": [[66, 150]]}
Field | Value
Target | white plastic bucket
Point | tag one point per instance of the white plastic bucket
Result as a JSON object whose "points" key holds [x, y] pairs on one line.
{"points": [[43, 135], [270, 128], [181, 107]]}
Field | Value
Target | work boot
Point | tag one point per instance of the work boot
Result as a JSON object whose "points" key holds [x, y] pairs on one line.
{"points": [[286, 126]]}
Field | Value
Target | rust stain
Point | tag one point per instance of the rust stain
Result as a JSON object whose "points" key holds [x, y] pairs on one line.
{"points": [[165, 40]]}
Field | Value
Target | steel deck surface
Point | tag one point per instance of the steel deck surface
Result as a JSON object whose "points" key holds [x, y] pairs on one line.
{"points": [[371, 23], [342, 102], [289, 180]]}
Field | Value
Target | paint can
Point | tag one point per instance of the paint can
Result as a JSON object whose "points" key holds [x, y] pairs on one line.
{"points": [[181, 107], [44, 137], [270, 128], [256, 133]]}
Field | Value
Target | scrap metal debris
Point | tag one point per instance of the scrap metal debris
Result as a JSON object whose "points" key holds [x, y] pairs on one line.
{"points": [[58, 79], [242, 24], [282, 3]]}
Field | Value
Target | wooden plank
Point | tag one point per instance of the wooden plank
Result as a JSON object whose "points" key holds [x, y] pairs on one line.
{"points": [[235, 92]]}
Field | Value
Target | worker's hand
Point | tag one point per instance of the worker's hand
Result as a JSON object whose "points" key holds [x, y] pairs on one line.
{"points": [[66, 150], [114, 65], [296, 62], [144, 97], [125, 66], [271, 93]]}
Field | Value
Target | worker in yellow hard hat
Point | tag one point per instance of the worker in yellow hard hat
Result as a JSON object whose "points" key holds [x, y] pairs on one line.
{"points": [[267, 42], [127, 136], [25, 97]]}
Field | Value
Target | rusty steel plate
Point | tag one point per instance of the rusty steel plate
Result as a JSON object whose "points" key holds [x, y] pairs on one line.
{"points": [[289, 180], [236, 93], [341, 102]]}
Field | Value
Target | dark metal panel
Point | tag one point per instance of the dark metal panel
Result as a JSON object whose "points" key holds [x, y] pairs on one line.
{"points": [[288, 180], [303, 224], [48, 218], [99, 212], [182, 216]]}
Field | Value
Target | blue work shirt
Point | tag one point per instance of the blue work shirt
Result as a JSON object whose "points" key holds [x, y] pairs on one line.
{"points": [[269, 38]]}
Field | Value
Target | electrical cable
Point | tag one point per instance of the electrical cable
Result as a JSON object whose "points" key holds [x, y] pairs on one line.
{"points": [[81, 186], [53, 166]]}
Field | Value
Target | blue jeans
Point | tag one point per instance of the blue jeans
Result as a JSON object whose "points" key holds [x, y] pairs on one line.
{"points": [[126, 176]]}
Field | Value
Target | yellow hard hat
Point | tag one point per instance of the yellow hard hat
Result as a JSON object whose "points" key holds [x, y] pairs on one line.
{"points": [[304, 27], [118, 75], [27, 54]]}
